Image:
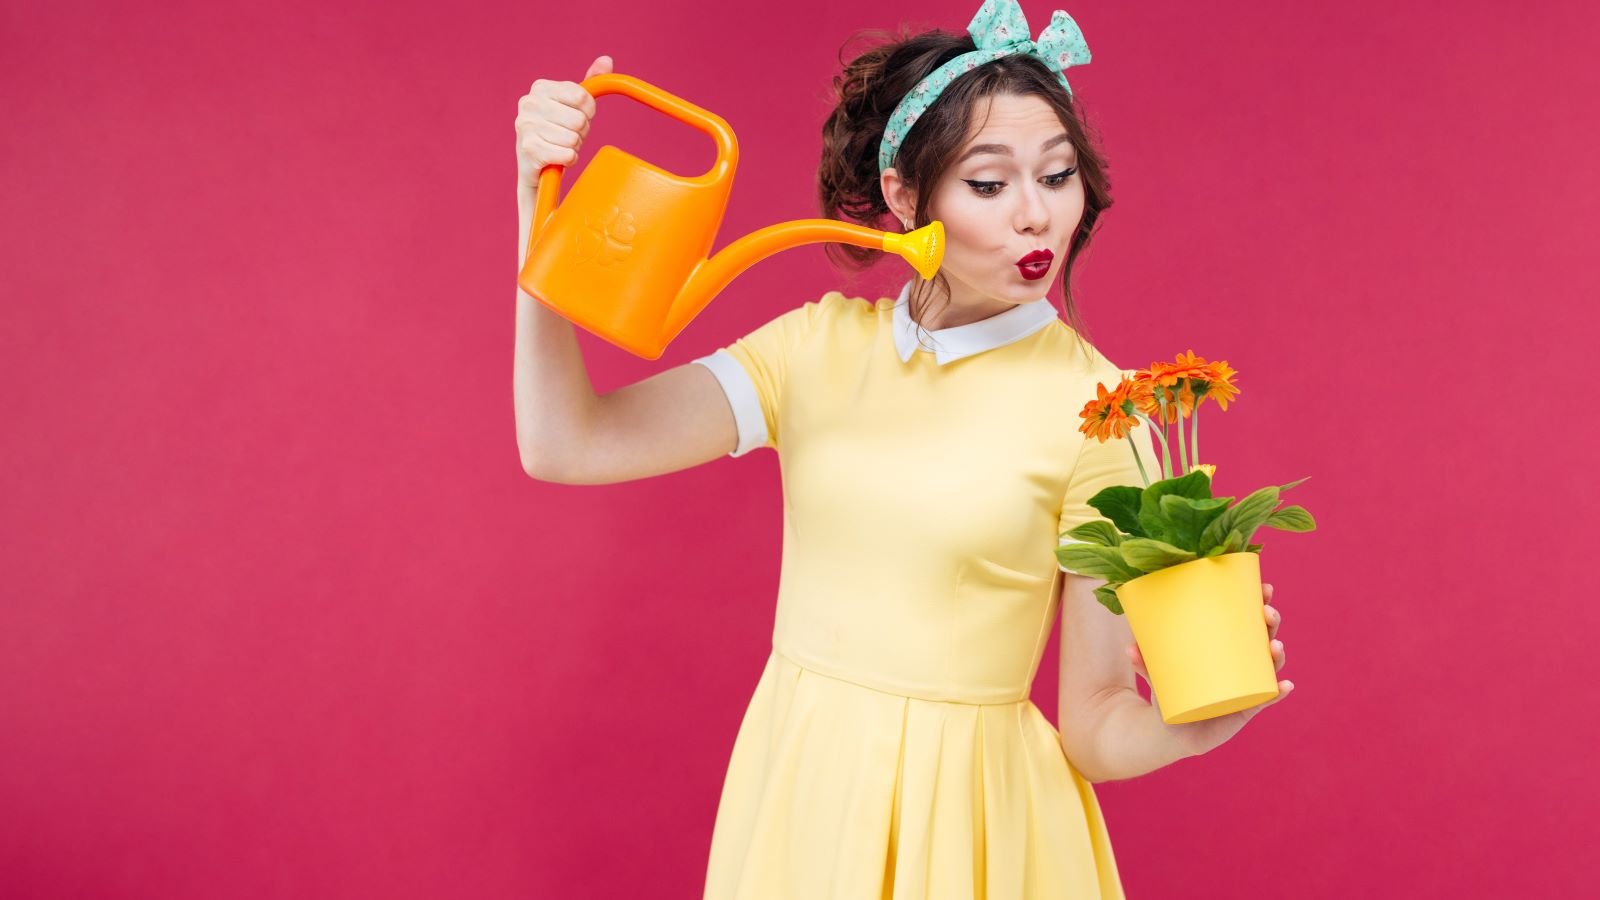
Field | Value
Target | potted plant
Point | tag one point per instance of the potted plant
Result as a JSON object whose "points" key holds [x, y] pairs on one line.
{"points": [[1178, 561]]}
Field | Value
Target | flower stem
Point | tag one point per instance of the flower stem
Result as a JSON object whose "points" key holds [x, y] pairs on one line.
{"points": [[1166, 451], [1139, 462], [1177, 404], [1195, 427]]}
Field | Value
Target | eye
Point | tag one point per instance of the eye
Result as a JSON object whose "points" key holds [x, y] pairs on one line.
{"points": [[1060, 178], [991, 188]]}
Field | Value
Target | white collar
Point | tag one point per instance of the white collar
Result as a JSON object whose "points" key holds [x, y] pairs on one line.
{"points": [[950, 344]]}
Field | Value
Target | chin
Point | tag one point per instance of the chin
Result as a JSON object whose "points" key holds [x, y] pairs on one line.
{"points": [[1026, 291]]}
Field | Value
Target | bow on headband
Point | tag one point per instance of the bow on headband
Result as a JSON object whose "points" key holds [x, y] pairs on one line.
{"points": [[998, 29]]}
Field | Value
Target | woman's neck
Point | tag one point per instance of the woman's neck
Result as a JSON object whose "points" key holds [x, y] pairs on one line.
{"points": [[964, 308]]}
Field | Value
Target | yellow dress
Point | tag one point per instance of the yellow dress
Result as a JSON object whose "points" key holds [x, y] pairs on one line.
{"points": [[890, 748]]}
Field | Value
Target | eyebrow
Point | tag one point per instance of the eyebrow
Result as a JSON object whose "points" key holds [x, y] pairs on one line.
{"points": [[1003, 150]]}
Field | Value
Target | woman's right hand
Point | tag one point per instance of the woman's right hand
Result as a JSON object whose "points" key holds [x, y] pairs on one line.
{"points": [[552, 121]]}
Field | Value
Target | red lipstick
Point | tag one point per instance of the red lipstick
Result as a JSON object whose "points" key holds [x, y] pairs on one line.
{"points": [[1036, 264]]}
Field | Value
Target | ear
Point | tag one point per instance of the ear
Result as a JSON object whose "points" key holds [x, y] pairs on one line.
{"points": [[901, 199]]}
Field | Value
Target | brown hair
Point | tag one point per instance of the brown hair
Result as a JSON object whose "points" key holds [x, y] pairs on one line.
{"points": [[865, 95]]}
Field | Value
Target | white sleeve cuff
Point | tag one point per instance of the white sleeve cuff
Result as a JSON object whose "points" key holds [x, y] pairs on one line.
{"points": [[1062, 542], [741, 391]]}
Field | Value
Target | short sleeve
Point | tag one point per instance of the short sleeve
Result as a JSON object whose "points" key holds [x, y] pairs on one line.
{"points": [[753, 371], [1102, 465]]}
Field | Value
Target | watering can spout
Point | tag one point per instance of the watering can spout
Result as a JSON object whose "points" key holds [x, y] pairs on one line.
{"points": [[922, 248]]}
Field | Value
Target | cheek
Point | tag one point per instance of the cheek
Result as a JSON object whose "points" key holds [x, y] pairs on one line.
{"points": [[971, 225], [1072, 202], [965, 244]]}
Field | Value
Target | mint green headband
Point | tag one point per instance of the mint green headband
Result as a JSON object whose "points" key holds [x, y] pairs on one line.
{"points": [[999, 29]]}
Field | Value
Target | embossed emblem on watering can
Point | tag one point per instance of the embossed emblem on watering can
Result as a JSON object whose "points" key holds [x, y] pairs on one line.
{"points": [[626, 254]]}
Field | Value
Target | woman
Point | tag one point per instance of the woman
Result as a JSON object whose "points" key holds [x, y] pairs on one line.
{"points": [[929, 459]]}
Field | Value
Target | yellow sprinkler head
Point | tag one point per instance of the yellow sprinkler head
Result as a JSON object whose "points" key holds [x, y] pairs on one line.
{"points": [[922, 248]]}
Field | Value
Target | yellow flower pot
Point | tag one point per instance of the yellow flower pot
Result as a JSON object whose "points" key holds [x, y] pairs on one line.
{"points": [[1203, 636]]}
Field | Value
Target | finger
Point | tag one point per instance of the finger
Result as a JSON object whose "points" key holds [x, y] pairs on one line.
{"points": [[1279, 657], [565, 93], [576, 96], [1284, 687], [1274, 619], [544, 153], [561, 114], [583, 101], [557, 135], [600, 66], [1138, 662], [1266, 593]]}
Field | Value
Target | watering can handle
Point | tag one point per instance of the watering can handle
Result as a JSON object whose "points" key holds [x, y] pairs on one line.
{"points": [[661, 101]]}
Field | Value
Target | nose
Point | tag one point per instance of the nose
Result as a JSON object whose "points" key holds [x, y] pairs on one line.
{"points": [[1032, 214]]}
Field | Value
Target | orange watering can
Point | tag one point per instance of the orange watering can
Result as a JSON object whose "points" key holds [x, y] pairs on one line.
{"points": [[625, 253]]}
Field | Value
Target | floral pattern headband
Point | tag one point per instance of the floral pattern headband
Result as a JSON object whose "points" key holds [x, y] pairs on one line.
{"points": [[999, 29]]}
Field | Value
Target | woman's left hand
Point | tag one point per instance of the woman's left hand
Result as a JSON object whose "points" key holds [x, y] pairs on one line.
{"points": [[1195, 738]]}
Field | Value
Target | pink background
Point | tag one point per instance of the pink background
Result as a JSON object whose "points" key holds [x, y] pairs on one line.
{"points": [[283, 617]]}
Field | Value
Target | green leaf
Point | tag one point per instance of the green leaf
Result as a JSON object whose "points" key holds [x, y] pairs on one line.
{"points": [[1245, 516], [1235, 542], [1291, 518], [1291, 484], [1195, 485], [1097, 532], [1107, 595], [1120, 504], [1186, 518], [1253, 548], [1148, 555], [1097, 562]]}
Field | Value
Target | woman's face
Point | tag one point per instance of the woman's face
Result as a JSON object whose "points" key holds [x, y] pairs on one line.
{"points": [[1013, 190]]}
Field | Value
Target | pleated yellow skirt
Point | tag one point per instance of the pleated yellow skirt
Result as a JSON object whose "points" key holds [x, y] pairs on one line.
{"points": [[839, 790]]}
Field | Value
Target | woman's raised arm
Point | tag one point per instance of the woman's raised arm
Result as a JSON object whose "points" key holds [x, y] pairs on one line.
{"points": [[565, 431]]}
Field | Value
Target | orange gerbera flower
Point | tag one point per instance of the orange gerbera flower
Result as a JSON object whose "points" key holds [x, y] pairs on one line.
{"points": [[1141, 390], [1220, 384], [1159, 381], [1184, 383], [1186, 365], [1104, 417]]}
